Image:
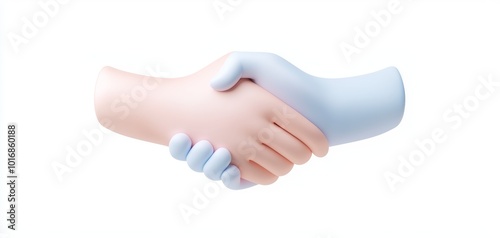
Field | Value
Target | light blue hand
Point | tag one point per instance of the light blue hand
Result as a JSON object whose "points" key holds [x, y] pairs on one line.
{"points": [[345, 109], [201, 159]]}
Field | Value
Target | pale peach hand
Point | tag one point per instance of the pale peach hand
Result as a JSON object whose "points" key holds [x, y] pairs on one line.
{"points": [[264, 135]]}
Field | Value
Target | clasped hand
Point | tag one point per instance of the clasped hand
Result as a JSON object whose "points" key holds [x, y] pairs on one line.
{"points": [[251, 132]]}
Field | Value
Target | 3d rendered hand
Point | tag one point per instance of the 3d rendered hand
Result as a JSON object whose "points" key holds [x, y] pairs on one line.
{"points": [[345, 109], [216, 167], [264, 136]]}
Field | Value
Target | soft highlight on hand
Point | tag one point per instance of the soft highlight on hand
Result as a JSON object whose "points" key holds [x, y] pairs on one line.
{"points": [[345, 109], [256, 128]]}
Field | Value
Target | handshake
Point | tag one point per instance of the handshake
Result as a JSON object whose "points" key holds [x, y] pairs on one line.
{"points": [[248, 117]]}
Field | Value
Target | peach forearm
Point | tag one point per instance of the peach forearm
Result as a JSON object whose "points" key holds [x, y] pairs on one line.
{"points": [[128, 104]]}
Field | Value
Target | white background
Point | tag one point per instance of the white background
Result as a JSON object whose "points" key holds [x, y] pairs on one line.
{"points": [[132, 188]]}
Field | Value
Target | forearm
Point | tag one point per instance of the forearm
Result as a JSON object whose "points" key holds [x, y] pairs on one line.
{"points": [[363, 106], [130, 104]]}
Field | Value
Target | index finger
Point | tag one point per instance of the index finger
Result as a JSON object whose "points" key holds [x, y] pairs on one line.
{"points": [[304, 130]]}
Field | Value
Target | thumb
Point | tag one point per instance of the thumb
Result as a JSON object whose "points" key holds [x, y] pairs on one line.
{"points": [[229, 74]]}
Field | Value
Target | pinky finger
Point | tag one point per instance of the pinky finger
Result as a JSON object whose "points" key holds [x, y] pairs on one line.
{"points": [[231, 177]]}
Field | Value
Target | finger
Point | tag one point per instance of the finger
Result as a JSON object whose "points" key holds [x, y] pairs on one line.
{"points": [[231, 178], [217, 163], [272, 161], [304, 130], [228, 75], [199, 154], [179, 146], [285, 144], [254, 172]]}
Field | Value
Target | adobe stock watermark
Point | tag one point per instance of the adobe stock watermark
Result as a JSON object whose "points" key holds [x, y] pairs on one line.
{"points": [[94, 137], [222, 7], [31, 26], [131, 100], [200, 200], [265, 135], [454, 117], [364, 35]]}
